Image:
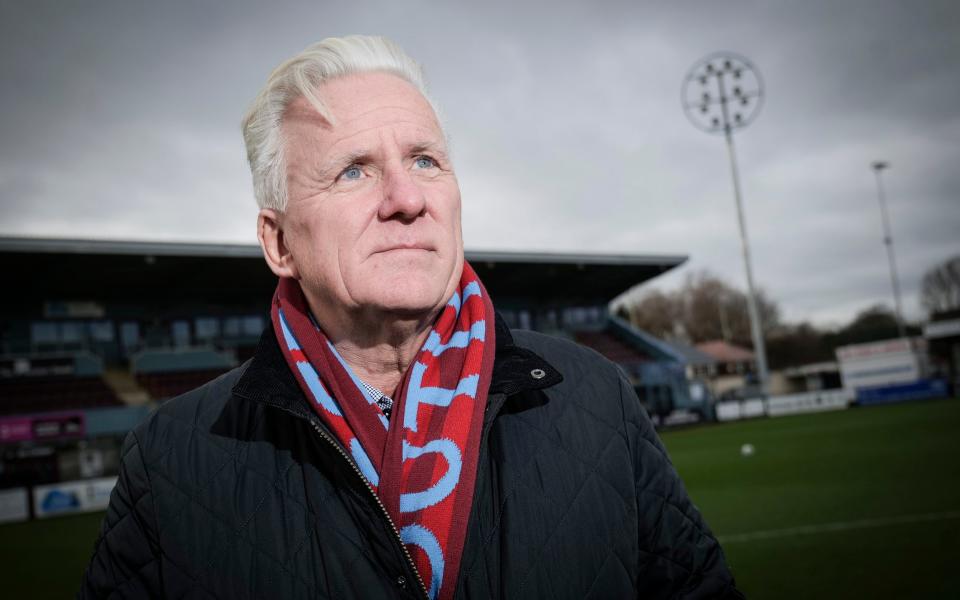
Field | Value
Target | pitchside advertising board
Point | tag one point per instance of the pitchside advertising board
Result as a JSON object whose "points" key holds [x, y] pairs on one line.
{"points": [[889, 371], [882, 363], [47, 426], [14, 505], [72, 497]]}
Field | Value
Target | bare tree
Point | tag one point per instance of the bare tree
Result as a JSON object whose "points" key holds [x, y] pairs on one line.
{"points": [[656, 313], [703, 308], [713, 309], [940, 288]]}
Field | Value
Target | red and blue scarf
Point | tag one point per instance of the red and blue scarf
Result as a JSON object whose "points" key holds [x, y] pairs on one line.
{"points": [[422, 463]]}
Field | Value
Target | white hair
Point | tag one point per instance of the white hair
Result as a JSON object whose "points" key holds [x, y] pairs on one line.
{"points": [[301, 76]]}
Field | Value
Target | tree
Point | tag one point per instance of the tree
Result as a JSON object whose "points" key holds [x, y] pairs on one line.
{"points": [[940, 287], [870, 325], [703, 308], [656, 313], [801, 344], [707, 308], [713, 310]]}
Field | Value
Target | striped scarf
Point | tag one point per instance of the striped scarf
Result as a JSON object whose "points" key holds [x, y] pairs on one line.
{"points": [[422, 463]]}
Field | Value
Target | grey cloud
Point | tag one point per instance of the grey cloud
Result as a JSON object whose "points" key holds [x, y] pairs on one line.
{"points": [[121, 119]]}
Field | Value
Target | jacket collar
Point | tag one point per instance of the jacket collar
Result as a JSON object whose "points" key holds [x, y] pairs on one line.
{"points": [[517, 369], [267, 378]]}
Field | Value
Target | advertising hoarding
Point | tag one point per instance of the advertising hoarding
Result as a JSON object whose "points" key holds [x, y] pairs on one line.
{"points": [[14, 505], [42, 427], [69, 497], [890, 362]]}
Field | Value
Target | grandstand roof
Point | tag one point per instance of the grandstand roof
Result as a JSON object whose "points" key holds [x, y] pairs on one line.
{"points": [[160, 271]]}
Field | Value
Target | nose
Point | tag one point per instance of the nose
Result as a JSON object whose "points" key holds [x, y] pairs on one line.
{"points": [[402, 198]]}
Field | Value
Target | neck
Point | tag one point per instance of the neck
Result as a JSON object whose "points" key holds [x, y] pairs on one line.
{"points": [[378, 346]]}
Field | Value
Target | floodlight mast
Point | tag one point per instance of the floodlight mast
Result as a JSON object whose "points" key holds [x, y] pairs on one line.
{"points": [[712, 114], [877, 167]]}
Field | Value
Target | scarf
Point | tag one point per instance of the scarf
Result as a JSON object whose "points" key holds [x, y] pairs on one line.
{"points": [[421, 463]]}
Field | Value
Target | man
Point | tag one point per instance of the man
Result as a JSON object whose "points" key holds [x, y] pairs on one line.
{"points": [[391, 438]]}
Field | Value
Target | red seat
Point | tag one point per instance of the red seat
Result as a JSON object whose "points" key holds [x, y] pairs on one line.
{"points": [[19, 395], [165, 385]]}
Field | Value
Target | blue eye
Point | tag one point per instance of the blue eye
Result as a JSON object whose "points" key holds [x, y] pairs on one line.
{"points": [[352, 172], [424, 162]]}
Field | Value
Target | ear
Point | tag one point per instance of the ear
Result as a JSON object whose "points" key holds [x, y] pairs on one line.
{"points": [[275, 251]]}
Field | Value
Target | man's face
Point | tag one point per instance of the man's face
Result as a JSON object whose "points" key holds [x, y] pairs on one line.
{"points": [[373, 211]]}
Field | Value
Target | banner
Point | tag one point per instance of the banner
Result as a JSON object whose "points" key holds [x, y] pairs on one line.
{"points": [[72, 497], [41, 427], [13, 505], [807, 402], [921, 389]]}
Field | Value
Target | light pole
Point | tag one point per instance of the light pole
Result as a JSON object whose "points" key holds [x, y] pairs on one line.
{"points": [[877, 167], [723, 92]]}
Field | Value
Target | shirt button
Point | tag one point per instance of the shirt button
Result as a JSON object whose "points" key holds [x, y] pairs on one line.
{"points": [[402, 581], [538, 373]]}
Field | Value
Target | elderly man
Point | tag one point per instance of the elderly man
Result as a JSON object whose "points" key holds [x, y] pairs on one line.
{"points": [[391, 438]]}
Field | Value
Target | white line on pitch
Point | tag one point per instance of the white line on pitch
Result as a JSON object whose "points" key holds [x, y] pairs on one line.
{"points": [[838, 526]]}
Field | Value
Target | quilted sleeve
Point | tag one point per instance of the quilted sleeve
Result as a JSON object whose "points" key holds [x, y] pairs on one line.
{"points": [[125, 561], [679, 555]]}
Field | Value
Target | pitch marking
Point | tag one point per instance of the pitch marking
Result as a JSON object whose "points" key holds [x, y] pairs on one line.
{"points": [[837, 526]]}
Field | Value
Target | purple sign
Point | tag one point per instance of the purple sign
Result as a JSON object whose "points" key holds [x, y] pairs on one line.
{"points": [[41, 427]]}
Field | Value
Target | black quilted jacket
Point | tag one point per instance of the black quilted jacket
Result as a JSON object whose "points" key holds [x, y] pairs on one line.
{"points": [[234, 490]]}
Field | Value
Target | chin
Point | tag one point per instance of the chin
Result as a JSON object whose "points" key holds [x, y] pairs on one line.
{"points": [[411, 304], [411, 294]]}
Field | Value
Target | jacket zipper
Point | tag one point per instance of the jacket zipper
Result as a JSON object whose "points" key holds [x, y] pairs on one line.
{"points": [[383, 509]]}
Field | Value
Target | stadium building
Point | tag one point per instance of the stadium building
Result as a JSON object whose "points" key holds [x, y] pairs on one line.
{"points": [[95, 333]]}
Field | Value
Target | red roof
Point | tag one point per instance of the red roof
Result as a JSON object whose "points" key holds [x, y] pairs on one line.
{"points": [[722, 351]]}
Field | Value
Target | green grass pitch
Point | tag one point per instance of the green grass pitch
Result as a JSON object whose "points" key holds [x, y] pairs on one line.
{"points": [[863, 503]]}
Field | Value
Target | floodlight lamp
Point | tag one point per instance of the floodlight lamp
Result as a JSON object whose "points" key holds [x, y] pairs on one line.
{"points": [[709, 73]]}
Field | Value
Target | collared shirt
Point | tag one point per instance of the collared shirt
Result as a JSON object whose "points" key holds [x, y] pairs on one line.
{"points": [[383, 401]]}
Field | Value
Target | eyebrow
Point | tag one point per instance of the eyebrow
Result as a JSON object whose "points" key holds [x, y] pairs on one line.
{"points": [[365, 155], [341, 161], [432, 147]]}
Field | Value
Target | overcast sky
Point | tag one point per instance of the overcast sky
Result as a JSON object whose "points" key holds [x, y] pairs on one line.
{"points": [[120, 120]]}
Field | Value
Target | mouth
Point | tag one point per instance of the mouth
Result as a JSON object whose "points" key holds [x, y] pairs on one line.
{"points": [[406, 247]]}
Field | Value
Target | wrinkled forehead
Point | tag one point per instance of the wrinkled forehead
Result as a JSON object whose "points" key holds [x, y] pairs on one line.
{"points": [[361, 102]]}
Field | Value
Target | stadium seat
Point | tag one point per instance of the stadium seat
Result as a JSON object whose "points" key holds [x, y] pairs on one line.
{"points": [[610, 346], [166, 385], [20, 395]]}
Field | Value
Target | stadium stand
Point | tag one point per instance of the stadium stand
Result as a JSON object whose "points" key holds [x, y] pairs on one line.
{"points": [[609, 346], [31, 383], [115, 327], [163, 386], [28, 394], [165, 373]]}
